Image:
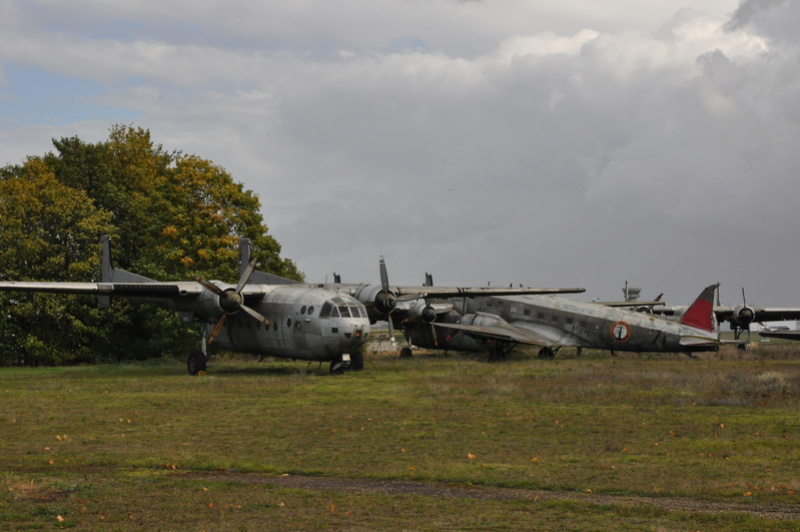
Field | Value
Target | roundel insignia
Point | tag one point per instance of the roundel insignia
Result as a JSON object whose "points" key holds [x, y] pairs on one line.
{"points": [[620, 331]]}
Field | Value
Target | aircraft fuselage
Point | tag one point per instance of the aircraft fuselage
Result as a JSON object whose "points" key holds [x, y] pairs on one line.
{"points": [[564, 322]]}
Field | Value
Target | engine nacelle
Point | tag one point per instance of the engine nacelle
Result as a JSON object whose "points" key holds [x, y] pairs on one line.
{"points": [[374, 297], [423, 311], [213, 305], [743, 316]]}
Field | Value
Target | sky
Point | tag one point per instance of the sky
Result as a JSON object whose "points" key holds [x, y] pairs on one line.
{"points": [[572, 143]]}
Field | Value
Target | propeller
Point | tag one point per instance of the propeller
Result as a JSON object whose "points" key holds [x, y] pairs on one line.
{"points": [[746, 315], [231, 300], [386, 300]]}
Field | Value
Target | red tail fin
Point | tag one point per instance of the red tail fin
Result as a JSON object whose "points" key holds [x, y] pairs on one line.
{"points": [[701, 313]]}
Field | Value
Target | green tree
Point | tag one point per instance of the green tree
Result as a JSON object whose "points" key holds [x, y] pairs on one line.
{"points": [[174, 216], [49, 232]]}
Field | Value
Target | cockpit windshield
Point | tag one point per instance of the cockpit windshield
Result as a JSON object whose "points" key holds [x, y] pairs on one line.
{"points": [[339, 309]]}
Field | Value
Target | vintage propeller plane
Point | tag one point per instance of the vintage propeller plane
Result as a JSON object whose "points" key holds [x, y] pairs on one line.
{"points": [[498, 324], [402, 305], [264, 314], [739, 317]]}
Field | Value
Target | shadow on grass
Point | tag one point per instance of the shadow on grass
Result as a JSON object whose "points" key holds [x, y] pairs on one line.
{"points": [[251, 370]]}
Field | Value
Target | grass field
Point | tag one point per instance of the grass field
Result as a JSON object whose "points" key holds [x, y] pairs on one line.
{"points": [[436, 442]]}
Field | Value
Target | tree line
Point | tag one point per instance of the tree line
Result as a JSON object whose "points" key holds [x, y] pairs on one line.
{"points": [[171, 216]]}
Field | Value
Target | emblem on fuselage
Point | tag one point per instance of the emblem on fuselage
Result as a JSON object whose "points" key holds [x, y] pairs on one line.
{"points": [[620, 331]]}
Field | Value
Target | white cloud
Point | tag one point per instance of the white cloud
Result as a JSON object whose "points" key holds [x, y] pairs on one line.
{"points": [[570, 143]]}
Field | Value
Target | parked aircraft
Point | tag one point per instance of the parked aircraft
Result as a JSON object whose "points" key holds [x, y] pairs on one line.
{"points": [[740, 317], [783, 334], [271, 317], [498, 324], [399, 305], [264, 314]]}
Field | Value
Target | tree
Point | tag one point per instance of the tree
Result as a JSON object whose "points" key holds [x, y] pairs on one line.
{"points": [[174, 216], [49, 232]]}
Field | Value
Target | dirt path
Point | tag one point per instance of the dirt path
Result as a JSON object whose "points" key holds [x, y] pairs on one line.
{"points": [[427, 489]]}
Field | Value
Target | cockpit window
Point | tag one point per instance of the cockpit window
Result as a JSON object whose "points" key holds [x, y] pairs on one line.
{"points": [[356, 311], [325, 312], [334, 312], [345, 311]]}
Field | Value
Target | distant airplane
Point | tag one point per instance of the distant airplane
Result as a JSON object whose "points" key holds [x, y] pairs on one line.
{"points": [[279, 318], [739, 317], [783, 334], [497, 324]]}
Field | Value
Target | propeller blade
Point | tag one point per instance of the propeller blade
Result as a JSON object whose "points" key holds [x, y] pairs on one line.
{"points": [[210, 286], [391, 330], [217, 328], [256, 315], [246, 276], [744, 299], [384, 275]]}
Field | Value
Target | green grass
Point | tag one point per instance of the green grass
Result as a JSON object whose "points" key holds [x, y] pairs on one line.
{"points": [[147, 446]]}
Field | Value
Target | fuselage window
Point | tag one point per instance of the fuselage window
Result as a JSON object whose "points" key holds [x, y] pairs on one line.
{"points": [[289, 322], [303, 310], [540, 315], [311, 310], [526, 312], [569, 321]]}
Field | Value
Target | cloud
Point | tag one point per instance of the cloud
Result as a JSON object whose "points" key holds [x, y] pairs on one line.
{"points": [[533, 143]]}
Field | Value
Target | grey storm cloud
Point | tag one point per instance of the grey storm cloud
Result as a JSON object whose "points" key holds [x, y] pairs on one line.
{"points": [[517, 142]]}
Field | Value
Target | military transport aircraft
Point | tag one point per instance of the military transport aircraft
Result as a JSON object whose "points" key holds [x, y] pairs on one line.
{"points": [[262, 314], [280, 318], [498, 324]]}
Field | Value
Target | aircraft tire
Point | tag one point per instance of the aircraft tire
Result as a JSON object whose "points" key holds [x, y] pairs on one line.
{"points": [[405, 353], [196, 362], [337, 366], [357, 361], [546, 352]]}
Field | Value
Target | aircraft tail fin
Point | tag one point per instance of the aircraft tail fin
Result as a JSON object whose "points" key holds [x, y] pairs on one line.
{"points": [[257, 277], [701, 313], [110, 274]]}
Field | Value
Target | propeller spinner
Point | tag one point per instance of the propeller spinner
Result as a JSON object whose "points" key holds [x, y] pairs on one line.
{"points": [[231, 300]]}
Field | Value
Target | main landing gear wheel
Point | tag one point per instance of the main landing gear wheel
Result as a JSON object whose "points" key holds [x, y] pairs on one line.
{"points": [[337, 366], [196, 362], [405, 352], [546, 352], [357, 361]]}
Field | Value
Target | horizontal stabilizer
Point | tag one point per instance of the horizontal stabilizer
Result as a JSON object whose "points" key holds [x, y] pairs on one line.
{"points": [[696, 341]]}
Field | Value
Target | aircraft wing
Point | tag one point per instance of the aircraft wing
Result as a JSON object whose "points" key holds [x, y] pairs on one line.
{"points": [[629, 304], [786, 335], [504, 332], [775, 314], [407, 293], [728, 313], [148, 290]]}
